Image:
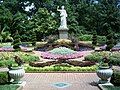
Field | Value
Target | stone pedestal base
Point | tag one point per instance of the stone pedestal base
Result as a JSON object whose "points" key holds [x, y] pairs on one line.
{"points": [[63, 33]]}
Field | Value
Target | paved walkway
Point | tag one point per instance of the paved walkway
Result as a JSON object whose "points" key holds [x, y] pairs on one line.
{"points": [[61, 81]]}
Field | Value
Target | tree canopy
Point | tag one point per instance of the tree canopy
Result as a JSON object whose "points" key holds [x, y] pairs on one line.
{"points": [[35, 17]]}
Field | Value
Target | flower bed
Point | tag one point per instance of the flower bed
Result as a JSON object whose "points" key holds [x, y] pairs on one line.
{"points": [[6, 48], [61, 53]]}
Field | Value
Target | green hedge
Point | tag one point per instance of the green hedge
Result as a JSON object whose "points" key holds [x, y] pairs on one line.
{"points": [[3, 78], [100, 39], [7, 58], [85, 37], [60, 68], [97, 57], [115, 79]]}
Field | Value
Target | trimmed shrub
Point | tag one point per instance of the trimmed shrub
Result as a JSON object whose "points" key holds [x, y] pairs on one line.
{"points": [[94, 38], [110, 41], [34, 38], [16, 42], [101, 40], [60, 68], [7, 58], [85, 37], [40, 44], [115, 79], [114, 58], [3, 77]]}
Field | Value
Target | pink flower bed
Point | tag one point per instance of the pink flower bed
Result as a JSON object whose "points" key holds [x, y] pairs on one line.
{"points": [[48, 55], [9, 49]]}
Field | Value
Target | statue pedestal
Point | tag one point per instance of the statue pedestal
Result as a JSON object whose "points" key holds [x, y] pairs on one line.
{"points": [[63, 33]]}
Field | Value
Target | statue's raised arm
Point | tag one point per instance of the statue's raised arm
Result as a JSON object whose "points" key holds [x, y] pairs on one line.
{"points": [[63, 16]]}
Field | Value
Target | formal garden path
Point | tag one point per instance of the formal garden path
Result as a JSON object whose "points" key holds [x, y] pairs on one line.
{"points": [[61, 81]]}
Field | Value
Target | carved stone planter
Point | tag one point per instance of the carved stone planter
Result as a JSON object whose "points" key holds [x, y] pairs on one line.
{"points": [[104, 73], [16, 74]]}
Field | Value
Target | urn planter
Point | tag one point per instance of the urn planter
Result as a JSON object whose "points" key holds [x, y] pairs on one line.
{"points": [[16, 74], [104, 73]]}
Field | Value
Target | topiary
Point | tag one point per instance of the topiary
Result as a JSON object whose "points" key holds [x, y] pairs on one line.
{"points": [[16, 42], [94, 38], [34, 38], [110, 41]]}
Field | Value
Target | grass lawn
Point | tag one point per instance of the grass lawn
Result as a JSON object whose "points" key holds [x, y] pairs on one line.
{"points": [[111, 88], [8, 87]]}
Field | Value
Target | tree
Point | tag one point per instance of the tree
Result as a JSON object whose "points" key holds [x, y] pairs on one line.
{"points": [[44, 23]]}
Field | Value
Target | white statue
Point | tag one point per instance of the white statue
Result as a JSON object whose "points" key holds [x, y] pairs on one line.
{"points": [[63, 16]]}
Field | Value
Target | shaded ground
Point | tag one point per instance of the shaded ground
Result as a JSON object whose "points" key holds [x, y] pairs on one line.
{"points": [[47, 81]]}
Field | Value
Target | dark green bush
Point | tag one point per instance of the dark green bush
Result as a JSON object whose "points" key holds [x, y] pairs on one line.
{"points": [[16, 42], [101, 40], [85, 37], [3, 77], [110, 41], [115, 79], [94, 38]]}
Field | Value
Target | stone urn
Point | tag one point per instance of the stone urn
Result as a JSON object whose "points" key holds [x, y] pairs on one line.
{"points": [[104, 73], [16, 73]]}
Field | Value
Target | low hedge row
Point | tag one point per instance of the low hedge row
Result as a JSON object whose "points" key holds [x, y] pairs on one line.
{"points": [[114, 57], [100, 39], [7, 58], [53, 68], [115, 79], [74, 63]]}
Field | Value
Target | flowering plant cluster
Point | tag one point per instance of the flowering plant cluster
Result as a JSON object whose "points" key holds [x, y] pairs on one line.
{"points": [[61, 53], [7, 48]]}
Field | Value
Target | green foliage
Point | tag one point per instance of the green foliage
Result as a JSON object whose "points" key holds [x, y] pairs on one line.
{"points": [[62, 51], [3, 78], [4, 36], [7, 58], [60, 68], [109, 87], [44, 23], [9, 87], [101, 40], [110, 41], [85, 37], [16, 42], [34, 39], [94, 38], [83, 18], [115, 79], [97, 57]]}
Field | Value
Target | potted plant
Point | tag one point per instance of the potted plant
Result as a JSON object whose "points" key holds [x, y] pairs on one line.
{"points": [[104, 71], [16, 72]]}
